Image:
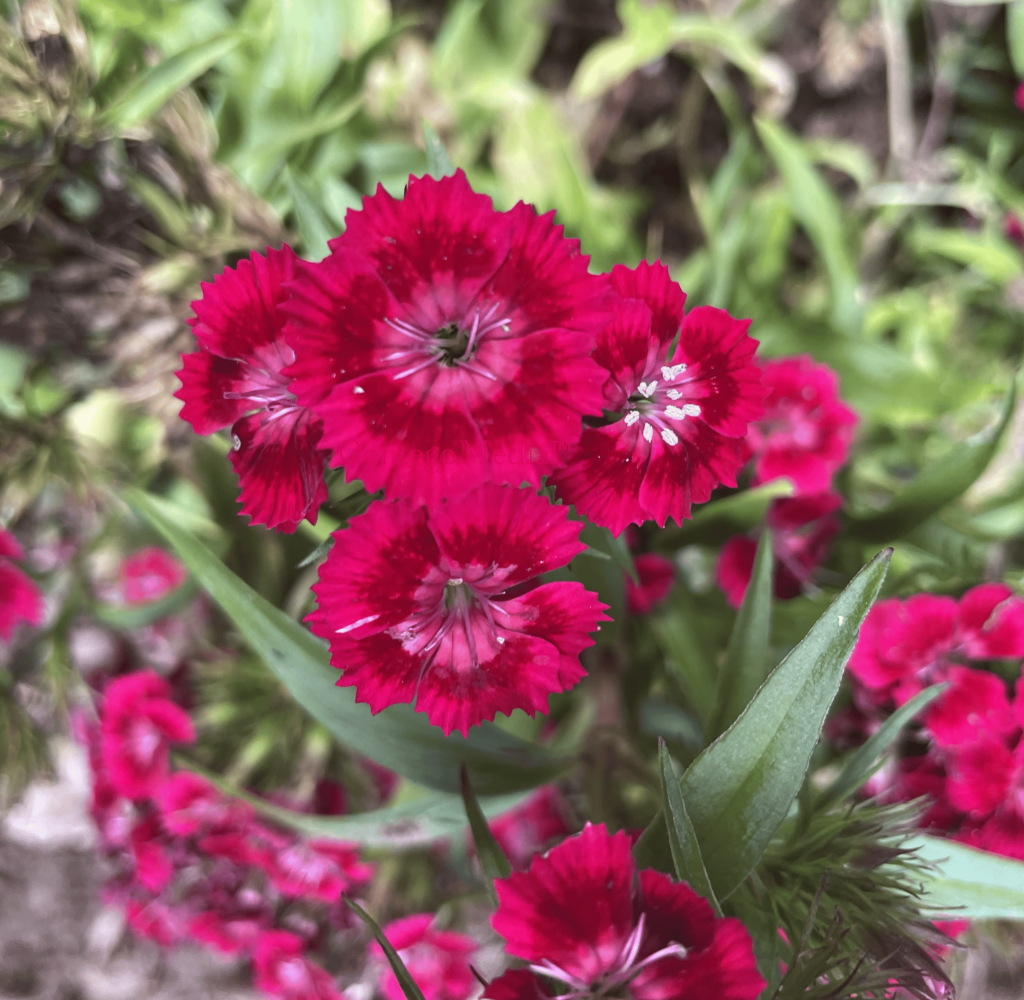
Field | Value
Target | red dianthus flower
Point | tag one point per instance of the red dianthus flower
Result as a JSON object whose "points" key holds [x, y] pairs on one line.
{"points": [[139, 724], [806, 431], [682, 417], [443, 342], [20, 600], [657, 574], [526, 830], [282, 969], [436, 960], [148, 575], [583, 917], [235, 378], [437, 606]]}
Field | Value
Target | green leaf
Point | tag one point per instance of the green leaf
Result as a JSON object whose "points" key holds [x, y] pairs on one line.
{"points": [[132, 616], [414, 824], [861, 763], [603, 544], [405, 980], [147, 94], [488, 850], [743, 671], [937, 484], [686, 657], [398, 737], [682, 840], [820, 212], [714, 522], [1015, 36], [740, 788], [967, 883], [315, 228], [439, 163]]}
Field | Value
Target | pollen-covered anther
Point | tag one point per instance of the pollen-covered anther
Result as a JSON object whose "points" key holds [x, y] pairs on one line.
{"points": [[669, 436], [648, 432], [632, 417], [646, 389], [682, 412], [671, 372]]}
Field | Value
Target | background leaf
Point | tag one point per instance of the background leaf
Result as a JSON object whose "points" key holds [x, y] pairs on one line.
{"points": [[970, 884], [492, 858]]}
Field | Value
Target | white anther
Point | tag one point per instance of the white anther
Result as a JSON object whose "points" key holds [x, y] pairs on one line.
{"points": [[691, 409], [362, 621], [646, 389], [669, 436], [455, 581], [632, 417], [674, 413], [670, 374], [674, 394], [648, 432]]}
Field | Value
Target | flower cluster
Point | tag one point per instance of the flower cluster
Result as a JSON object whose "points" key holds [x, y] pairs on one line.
{"points": [[804, 436], [448, 355], [20, 599], [438, 960], [969, 753], [191, 864]]}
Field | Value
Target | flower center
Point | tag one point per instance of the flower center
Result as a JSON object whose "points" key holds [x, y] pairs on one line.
{"points": [[661, 405], [454, 345]]}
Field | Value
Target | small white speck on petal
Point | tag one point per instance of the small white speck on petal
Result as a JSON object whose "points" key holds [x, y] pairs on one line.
{"points": [[648, 432], [359, 389], [501, 641], [668, 436], [362, 621], [632, 417]]}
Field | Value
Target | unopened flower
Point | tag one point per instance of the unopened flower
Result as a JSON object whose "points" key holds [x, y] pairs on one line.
{"points": [[20, 599], [445, 343], [680, 417], [437, 960], [802, 530], [235, 379], [588, 922], [806, 431], [139, 724], [282, 969], [438, 607], [906, 645]]}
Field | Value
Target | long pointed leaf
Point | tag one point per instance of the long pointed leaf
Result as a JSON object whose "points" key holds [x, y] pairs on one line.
{"points": [[488, 850], [682, 840], [743, 671], [740, 788], [398, 737], [405, 980]]}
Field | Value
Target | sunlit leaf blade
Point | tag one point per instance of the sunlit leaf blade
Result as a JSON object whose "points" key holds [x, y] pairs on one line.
{"points": [[315, 228], [861, 763], [740, 788], [492, 858], [714, 522], [743, 670], [405, 980], [967, 883], [937, 484], [397, 738], [682, 840], [147, 94], [415, 824], [439, 163]]}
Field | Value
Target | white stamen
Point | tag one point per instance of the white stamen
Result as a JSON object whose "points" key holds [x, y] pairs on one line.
{"points": [[646, 389], [674, 394], [691, 409], [648, 432], [362, 621], [674, 413], [668, 436], [236, 442], [359, 390], [632, 417], [455, 581], [670, 374]]}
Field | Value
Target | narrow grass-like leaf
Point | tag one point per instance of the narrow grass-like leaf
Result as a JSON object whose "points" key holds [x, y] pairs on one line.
{"points": [[743, 671], [439, 163], [970, 884], [492, 858], [405, 980], [148, 93], [740, 788], [398, 737], [937, 484], [861, 763], [132, 616], [681, 838]]}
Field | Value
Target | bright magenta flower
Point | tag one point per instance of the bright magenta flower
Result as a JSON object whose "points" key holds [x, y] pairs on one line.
{"points": [[437, 960], [680, 419], [802, 530], [657, 574], [806, 431], [148, 575], [235, 379], [20, 599], [444, 343], [584, 918], [438, 607], [282, 969], [139, 724], [906, 645]]}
